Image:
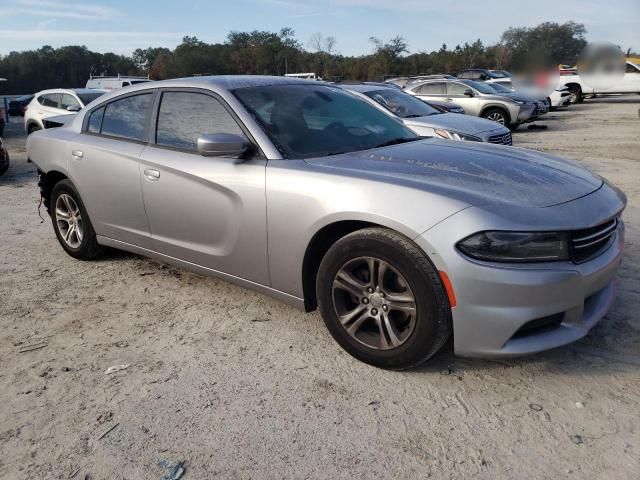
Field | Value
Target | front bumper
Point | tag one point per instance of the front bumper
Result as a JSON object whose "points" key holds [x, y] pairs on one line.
{"points": [[497, 302], [525, 113]]}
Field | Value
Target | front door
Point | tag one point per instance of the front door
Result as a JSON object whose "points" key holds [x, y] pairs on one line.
{"points": [[455, 93], [210, 211]]}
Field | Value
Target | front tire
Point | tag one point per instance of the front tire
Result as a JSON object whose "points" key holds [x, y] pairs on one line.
{"points": [[497, 115], [71, 222], [382, 300]]}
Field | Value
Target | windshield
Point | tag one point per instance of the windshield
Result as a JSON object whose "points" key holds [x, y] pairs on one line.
{"points": [[500, 88], [402, 104], [87, 98], [306, 121], [481, 87]]}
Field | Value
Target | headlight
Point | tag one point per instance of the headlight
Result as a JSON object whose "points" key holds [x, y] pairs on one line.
{"points": [[521, 102], [455, 136], [501, 246]]}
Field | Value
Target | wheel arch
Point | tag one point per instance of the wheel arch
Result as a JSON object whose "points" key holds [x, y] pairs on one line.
{"points": [[497, 106], [46, 183]]}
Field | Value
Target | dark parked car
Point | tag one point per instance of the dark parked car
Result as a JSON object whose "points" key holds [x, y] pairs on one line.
{"points": [[480, 74], [17, 106], [4, 158]]}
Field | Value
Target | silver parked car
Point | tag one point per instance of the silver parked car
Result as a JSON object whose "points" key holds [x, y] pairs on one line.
{"points": [[477, 99], [427, 121], [303, 191]]}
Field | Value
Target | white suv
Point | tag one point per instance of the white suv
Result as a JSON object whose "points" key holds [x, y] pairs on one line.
{"points": [[50, 103]]}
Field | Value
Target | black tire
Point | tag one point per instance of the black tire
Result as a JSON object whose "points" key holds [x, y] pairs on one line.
{"points": [[4, 161], [432, 324], [33, 128], [495, 113], [88, 248], [576, 94]]}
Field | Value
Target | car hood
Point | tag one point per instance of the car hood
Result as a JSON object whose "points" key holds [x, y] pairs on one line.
{"points": [[475, 173], [457, 123]]}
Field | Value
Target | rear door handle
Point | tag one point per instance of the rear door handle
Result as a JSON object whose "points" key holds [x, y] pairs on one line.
{"points": [[77, 154], [152, 174]]}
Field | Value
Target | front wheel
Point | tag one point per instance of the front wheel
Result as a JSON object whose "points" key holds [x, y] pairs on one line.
{"points": [[576, 94], [497, 115], [382, 300], [71, 222]]}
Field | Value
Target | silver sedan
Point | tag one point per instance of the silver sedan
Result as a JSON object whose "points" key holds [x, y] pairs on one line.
{"points": [[427, 121], [305, 192]]}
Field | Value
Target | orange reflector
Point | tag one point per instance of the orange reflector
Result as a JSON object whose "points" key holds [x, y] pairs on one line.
{"points": [[448, 288]]}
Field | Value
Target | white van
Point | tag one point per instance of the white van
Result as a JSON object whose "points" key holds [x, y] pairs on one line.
{"points": [[113, 83], [305, 76]]}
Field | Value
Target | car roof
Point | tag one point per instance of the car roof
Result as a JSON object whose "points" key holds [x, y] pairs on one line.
{"points": [[230, 82], [363, 87], [77, 91]]}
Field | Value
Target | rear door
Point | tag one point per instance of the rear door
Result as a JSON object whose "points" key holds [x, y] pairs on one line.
{"points": [[430, 91], [210, 211], [104, 166], [48, 105]]}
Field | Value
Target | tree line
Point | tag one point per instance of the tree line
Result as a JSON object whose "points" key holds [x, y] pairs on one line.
{"points": [[277, 53]]}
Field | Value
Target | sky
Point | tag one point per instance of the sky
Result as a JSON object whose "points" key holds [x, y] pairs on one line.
{"points": [[121, 26]]}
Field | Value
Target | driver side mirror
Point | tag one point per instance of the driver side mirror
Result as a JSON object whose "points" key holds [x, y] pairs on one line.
{"points": [[468, 92], [222, 145], [73, 108]]}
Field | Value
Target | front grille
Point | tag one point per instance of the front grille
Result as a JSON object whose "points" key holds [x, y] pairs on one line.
{"points": [[591, 242], [502, 139]]}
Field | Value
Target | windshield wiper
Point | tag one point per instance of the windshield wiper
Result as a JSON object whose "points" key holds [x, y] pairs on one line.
{"points": [[397, 141], [414, 115]]}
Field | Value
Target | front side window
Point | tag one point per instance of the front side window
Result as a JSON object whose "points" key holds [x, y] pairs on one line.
{"points": [[306, 121], [127, 118], [402, 104], [51, 100], [481, 87], [184, 116], [435, 88], [69, 101], [455, 88]]}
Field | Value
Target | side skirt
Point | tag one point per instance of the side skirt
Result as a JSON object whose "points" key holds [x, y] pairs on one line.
{"points": [[277, 294]]}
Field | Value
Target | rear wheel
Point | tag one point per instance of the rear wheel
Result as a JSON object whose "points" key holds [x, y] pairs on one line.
{"points": [[4, 160], [497, 115], [382, 300], [71, 222]]}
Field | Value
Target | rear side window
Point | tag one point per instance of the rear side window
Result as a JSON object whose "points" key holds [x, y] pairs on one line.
{"points": [[50, 100], [69, 101], [436, 88], [184, 116], [95, 121], [127, 118]]}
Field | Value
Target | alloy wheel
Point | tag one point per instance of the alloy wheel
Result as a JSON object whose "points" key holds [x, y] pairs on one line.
{"points": [[374, 303], [69, 220], [496, 117]]}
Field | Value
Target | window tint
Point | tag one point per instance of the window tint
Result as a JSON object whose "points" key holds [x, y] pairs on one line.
{"points": [[455, 88], [436, 88], [69, 101], [632, 69], [126, 118], [95, 120], [51, 100], [307, 121], [184, 116]]}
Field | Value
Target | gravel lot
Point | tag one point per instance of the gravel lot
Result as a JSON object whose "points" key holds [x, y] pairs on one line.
{"points": [[237, 385]]}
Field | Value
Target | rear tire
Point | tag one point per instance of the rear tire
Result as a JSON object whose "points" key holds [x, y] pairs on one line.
{"points": [[71, 222], [497, 115], [382, 300], [4, 161]]}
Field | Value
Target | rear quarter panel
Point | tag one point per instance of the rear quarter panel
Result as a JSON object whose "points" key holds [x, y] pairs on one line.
{"points": [[50, 149]]}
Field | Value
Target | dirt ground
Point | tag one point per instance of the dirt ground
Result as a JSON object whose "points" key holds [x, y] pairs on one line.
{"points": [[237, 385]]}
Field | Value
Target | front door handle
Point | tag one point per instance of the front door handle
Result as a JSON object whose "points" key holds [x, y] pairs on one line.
{"points": [[77, 154], [152, 174]]}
